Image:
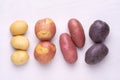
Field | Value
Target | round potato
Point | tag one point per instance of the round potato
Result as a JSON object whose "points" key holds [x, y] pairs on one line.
{"points": [[20, 42], [19, 57], [96, 53], [44, 52], [98, 31], [19, 27], [45, 29]]}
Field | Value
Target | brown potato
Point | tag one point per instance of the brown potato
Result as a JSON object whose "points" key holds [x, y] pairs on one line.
{"points": [[77, 32], [45, 29], [68, 48], [44, 52]]}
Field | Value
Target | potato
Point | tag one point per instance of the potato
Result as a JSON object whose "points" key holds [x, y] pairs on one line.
{"points": [[77, 32], [45, 29], [20, 42], [19, 57], [96, 53], [98, 31], [19, 27], [68, 48], [44, 52]]}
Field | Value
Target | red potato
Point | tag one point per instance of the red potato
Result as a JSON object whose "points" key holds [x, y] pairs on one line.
{"points": [[44, 52], [77, 32], [45, 29], [68, 48]]}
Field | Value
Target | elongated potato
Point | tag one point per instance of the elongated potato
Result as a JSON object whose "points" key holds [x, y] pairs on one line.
{"points": [[77, 32], [68, 48]]}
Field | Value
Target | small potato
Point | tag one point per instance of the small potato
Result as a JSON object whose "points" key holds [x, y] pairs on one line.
{"points": [[98, 31], [45, 29], [44, 52], [19, 57], [20, 42], [19, 27], [77, 32], [68, 48], [96, 54]]}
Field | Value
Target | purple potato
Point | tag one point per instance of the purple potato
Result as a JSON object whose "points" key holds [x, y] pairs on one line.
{"points": [[96, 53], [99, 30]]}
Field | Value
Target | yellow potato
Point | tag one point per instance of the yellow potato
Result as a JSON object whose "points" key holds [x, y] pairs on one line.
{"points": [[20, 42], [18, 27], [19, 57]]}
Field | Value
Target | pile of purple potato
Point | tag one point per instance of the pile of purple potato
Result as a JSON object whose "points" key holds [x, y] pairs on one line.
{"points": [[98, 32]]}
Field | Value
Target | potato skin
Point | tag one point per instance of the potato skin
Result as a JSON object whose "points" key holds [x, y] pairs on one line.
{"points": [[68, 48], [44, 52], [45, 29], [77, 32]]}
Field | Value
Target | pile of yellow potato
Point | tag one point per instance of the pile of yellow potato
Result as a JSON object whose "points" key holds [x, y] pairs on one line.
{"points": [[19, 42]]}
